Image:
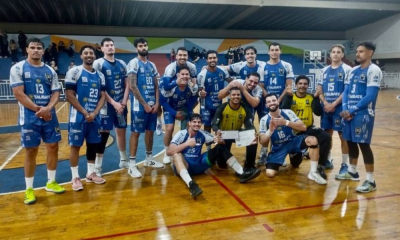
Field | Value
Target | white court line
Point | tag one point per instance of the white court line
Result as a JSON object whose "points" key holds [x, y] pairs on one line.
{"points": [[20, 148], [117, 170]]}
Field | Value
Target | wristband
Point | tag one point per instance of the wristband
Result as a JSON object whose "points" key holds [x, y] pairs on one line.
{"points": [[287, 122], [269, 133]]}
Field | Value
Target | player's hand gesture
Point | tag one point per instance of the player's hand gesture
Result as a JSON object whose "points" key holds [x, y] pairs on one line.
{"points": [[180, 115], [191, 142], [272, 125], [289, 90], [202, 93], [118, 107], [147, 108], [155, 108]]}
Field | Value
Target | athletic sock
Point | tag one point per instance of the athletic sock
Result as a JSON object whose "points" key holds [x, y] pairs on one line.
{"points": [[314, 165], [345, 159], [74, 171], [122, 156], [99, 161], [149, 155], [370, 177], [51, 175], [29, 182], [353, 168], [233, 163], [185, 176], [90, 168]]}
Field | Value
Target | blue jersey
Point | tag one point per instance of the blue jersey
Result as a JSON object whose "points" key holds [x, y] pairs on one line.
{"points": [[212, 83], [243, 70], [282, 134], [87, 86], [146, 73], [168, 81], [275, 76], [332, 82], [192, 154], [177, 100], [114, 74], [39, 84], [358, 81]]}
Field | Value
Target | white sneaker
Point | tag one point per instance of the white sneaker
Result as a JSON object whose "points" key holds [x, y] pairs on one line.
{"points": [[134, 172], [123, 164], [317, 178], [159, 130], [153, 163], [166, 160]]}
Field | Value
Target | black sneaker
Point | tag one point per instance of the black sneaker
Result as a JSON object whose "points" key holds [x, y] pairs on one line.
{"points": [[194, 189], [321, 172], [249, 174]]}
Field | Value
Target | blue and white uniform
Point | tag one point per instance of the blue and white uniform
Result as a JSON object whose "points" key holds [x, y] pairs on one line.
{"points": [[198, 163], [88, 87], [243, 70], [115, 75], [168, 81], [256, 92], [332, 82], [39, 85], [146, 73], [177, 100], [283, 139], [212, 83], [359, 97]]}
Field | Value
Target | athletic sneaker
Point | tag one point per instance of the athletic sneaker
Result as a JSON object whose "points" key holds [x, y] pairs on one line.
{"points": [[315, 176], [134, 172], [194, 189], [123, 164], [343, 168], [98, 171], [29, 196], [159, 130], [249, 174], [263, 160], [54, 187], [77, 184], [329, 164], [152, 163], [366, 187], [166, 160], [321, 172], [348, 175], [94, 178]]}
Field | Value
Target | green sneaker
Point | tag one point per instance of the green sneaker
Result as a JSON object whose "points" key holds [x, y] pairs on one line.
{"points": [[54, 187], [29, 196]]}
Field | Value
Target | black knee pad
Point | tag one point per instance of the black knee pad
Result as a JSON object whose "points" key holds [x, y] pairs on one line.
{"points": [[91, 151], [101, 146], [296, 159]]}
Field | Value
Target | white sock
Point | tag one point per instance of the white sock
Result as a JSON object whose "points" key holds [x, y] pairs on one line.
{"points": [[149, 155], [353, 168], [165, 153], [74, 171], [159, 120], [185, 176], [90, 168], [370, 177], [51, 175], [329, 156], [122, 156], [314, 165], [29, 182], [233, 163], [99, 161], [132, 161], [345, 158]]}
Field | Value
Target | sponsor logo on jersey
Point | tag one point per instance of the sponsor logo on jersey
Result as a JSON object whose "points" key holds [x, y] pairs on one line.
{"points": [[27, 130], [76, 137], [280, 70], [94, 85], [358, 131], [27, 75], [144, 87], [209, 80], [141, 70], [362, 77], [112, 92], [57, 129], [108, 72], [116, 76], [307, 102], [85, 99], [28, 138], [48, 77], [245, 72], [240, 116], [84, 79], [331, 79], [337, 122], [31, 96], [221, 75], [38, 80], [341, 76]]}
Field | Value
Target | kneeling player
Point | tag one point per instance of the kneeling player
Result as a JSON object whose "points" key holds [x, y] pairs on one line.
{"points": [[278, 125], [188, 160]]}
